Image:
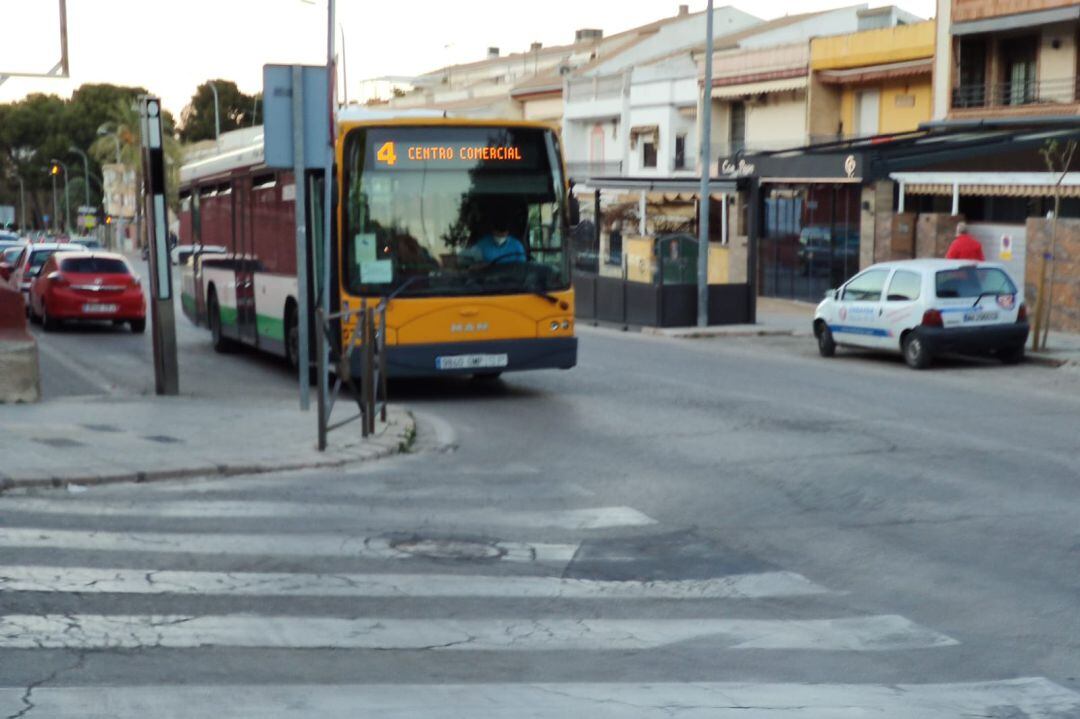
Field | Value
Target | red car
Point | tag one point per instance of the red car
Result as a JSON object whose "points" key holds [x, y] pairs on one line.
{"points": [[87, 286]]}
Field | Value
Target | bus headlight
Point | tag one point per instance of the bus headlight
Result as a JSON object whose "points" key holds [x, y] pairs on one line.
{"points": [[554, 325], [566, 324]]}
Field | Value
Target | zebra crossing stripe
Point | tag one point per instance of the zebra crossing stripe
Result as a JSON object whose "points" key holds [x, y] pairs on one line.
{"points": [[89, 580], [1031, 698], [300, 545], [94, 631], [587, 518]]}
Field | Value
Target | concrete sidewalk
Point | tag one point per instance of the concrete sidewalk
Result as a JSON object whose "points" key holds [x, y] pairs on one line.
{"points": [[774, 317], [94, 440], [794, 318]]}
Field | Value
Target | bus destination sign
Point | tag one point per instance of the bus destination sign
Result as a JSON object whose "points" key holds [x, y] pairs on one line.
{"points": [[392, 153]]}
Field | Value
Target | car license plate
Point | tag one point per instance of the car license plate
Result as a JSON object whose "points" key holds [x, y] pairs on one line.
{"points": [[980, 316], [97, 307], [471, 361]]}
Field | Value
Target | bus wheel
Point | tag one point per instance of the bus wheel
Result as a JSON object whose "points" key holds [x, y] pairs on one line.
{"points": [[213, 312], [292, 337]]}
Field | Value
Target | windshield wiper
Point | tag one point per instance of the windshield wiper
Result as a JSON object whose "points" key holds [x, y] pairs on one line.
{"points": [[984, 294]]}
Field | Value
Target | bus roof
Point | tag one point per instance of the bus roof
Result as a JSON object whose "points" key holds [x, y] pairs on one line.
{"points": [[244, 147]]}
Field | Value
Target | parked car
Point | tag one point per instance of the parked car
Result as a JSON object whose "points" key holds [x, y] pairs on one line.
{"points": [[29, 263], [931, 307], [87, 286]]}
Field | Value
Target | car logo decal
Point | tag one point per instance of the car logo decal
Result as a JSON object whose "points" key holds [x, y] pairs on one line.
{"points": [[1006, 302]]}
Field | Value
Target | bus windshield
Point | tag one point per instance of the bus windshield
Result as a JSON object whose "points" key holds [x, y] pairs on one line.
{"points": [[433, 211]]}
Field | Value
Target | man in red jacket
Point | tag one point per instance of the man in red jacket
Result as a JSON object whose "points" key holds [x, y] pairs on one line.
{"points": [[964, 247]]}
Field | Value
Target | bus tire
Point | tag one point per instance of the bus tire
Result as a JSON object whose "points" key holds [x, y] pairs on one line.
{"points": [[213, 312], [292, 335]]}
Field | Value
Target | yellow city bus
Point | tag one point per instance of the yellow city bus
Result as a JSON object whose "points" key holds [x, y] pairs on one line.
{"points": [[464, 223]]}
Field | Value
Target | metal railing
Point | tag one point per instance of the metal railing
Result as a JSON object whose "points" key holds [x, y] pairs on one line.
{"points": [[369, 337], [1014, 94], [582, 171]]}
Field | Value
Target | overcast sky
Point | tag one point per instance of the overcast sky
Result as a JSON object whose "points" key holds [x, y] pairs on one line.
{"points": [[171, 46]]}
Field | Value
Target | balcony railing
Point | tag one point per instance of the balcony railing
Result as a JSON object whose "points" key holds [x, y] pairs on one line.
{"points": [[1015, 94], [581, 171]]}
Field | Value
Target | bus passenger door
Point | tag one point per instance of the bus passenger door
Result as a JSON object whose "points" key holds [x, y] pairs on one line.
{"points": [[245, 266]]}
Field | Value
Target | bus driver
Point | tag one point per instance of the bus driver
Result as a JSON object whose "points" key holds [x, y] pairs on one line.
{"points": [[498, 247]]}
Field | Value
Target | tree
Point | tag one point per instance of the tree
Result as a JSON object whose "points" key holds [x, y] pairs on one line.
{"points": [[235, 110], [1058, 158]]}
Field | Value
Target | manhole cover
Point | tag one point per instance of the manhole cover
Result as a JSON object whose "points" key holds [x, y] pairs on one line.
{"points": [[449, 548]]}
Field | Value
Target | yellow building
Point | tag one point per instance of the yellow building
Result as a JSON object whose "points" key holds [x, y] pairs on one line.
{"points": [[871, 82]]}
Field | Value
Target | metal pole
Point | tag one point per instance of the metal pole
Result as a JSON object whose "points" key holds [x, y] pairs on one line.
{"points": [[706, 161], [86, 174], [55, 206], [303, 354], [328, 185], [67, 200], [22, 204], [217, 117], [166, 370]]}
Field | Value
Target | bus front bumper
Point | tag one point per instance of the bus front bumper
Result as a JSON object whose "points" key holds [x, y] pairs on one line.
{"points": [[470, 358]]}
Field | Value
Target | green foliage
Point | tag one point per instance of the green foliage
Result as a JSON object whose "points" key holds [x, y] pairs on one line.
{"points": [[41, 127], [235, 110]]}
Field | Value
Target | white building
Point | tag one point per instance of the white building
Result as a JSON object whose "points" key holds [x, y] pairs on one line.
{"points": [[637, 116], [598, 97]]}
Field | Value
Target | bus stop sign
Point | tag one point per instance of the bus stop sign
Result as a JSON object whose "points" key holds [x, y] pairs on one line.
{"points": [[278, 140]]}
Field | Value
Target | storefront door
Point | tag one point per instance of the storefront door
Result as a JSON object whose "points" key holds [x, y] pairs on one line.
{"points": [[810, 241]]}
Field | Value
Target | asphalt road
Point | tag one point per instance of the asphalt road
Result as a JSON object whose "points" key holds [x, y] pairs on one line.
{"points": [[732, 527]]}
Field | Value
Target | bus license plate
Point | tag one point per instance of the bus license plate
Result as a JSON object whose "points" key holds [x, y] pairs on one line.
{"points": [[97, 307], [471, 361]]}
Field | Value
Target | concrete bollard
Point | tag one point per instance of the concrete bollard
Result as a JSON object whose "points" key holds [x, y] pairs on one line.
{"points": [[20, 379]]}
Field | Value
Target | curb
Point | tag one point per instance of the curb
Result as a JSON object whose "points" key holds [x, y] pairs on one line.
{"points": [[380, 447], [1044, 360], [711, 334]]}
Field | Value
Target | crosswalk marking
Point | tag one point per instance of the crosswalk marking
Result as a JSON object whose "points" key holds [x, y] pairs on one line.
{"points": [[89, 580], [94, 631], [1031, 698], [587, 518], [298, 545]]}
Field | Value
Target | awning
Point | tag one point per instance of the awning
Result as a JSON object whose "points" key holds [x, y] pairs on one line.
{"points": [[1017, 21], [644, 130], [757, 88], [985, 184], [873, 73], [687, 186]]}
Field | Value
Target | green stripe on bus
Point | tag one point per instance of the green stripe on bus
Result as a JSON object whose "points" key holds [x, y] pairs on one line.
{"points": [[270, 327], [228, 315], [188, 303]]}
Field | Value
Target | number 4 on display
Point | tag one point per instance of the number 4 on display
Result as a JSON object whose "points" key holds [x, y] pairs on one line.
{"points": [[386, 153]]}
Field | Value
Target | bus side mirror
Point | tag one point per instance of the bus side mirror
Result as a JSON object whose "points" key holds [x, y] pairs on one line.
{"points": [[575, 211]]}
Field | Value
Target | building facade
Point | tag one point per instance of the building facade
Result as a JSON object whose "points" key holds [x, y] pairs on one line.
{"points": [[1006, 58]]}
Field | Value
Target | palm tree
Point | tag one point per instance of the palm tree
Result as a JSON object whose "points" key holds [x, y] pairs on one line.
{"points": [[125, 133]]}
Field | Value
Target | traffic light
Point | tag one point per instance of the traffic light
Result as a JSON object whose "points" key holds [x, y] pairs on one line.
{"points": [[108, 219], [54, 169]]}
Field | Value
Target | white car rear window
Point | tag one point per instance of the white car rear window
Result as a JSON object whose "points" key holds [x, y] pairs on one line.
{"points": [[973, 281]]}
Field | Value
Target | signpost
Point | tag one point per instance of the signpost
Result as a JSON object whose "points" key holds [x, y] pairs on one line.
{"points": [[295, 130], [166, 371]]}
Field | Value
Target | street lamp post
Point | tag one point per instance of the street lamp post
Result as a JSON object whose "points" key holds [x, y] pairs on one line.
{"points": [[217, 116], [86, 174], [55, 206], [67, 194], [22, 204]]}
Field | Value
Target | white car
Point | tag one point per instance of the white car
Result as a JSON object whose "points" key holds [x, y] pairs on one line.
{"points": [[923, 308]]}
